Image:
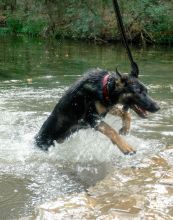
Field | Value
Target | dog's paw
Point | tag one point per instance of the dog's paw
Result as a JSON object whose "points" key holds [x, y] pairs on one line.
{"points": [[128, 150], [123, 131], [131, 152]]}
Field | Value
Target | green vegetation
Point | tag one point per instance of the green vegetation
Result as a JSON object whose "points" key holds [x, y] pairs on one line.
{"points": [[146, 21]]}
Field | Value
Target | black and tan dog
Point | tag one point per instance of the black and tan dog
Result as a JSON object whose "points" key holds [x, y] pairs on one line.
{"points": [[88, 101]]}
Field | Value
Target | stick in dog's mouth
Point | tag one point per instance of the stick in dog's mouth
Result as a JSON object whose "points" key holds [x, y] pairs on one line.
{"points": [[141, 112]]}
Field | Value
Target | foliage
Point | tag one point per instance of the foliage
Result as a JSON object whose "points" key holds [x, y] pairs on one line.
{"points": [[151, 20], [33, 27], [145, 20], [14, 24]]}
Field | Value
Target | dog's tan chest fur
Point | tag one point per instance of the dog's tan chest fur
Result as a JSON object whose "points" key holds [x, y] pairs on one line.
{"points": [[100, 108]]}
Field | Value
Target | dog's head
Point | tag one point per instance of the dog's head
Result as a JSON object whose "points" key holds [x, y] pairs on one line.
{"points": [[134, 95]]}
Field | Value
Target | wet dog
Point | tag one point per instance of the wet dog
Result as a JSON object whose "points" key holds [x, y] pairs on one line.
{"points": [[88, 101]]}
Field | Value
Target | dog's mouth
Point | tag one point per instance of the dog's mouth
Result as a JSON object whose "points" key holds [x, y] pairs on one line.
{"points": [[140, 111]]}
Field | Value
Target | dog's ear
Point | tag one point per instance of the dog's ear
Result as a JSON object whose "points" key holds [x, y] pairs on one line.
{"points": [[118, 73], [122, 77], [121, 81]]}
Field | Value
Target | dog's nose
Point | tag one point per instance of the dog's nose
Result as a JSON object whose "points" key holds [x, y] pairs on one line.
{"points": [[156, 107]]}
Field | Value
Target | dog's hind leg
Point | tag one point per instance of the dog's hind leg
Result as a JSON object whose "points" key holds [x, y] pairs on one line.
{"points": [[126, 119], [44, 139], [115, 138]]}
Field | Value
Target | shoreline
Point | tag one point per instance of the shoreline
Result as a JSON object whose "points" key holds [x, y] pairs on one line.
{"points": [[98, 41]]}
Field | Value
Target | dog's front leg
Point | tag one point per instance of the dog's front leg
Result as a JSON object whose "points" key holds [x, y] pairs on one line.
{"points": [[126, 119], [115, 138]]}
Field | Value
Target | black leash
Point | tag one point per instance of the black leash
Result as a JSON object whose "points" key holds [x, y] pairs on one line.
{"points": [[134, 66]]}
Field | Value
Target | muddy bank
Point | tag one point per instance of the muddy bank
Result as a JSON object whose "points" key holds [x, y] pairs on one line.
{"points": [[144, 191]]}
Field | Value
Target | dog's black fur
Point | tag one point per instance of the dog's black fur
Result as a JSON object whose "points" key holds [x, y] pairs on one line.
{"points": [[77, 108]]}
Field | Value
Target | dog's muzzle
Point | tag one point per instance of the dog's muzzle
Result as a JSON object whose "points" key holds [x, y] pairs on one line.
{"points": [[143, 113]]}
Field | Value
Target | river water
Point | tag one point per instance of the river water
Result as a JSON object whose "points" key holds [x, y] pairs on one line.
{"points": [[87, 177]]}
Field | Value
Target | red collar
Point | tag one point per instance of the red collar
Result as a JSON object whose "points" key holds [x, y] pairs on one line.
{"points": [[105, 87]]}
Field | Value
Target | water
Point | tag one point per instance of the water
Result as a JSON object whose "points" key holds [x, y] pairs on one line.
{"points": [[87, 173]]}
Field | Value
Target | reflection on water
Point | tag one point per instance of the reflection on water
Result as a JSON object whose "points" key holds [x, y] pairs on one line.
{"points": [[88, 175]]}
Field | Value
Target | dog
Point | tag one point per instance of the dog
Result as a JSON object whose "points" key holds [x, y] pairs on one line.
{"points": [[87, 102]]}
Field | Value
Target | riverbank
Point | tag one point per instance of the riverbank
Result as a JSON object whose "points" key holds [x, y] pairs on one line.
{"points": [[145, 22]]}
